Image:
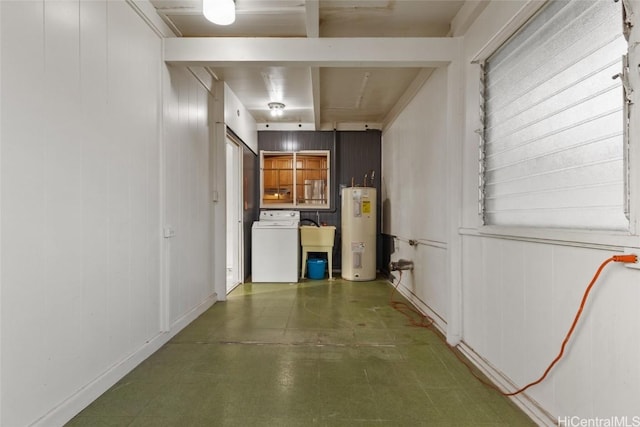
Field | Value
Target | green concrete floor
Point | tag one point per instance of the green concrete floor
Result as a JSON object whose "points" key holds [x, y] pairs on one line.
{"points": [[316, 353]]}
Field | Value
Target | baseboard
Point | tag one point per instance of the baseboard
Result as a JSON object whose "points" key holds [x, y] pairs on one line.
{"points": [[529, 406], [439, 322], [70, 407]]}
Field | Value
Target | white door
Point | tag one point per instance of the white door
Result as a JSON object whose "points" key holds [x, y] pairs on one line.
{"points": [[234, 214]]}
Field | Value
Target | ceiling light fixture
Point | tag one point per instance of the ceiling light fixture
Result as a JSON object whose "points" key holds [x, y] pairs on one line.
{"points": [[221, 12], [277, 109]]}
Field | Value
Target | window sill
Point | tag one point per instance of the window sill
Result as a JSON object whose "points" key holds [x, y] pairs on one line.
{"points": [[291, 206], [607, 240]]}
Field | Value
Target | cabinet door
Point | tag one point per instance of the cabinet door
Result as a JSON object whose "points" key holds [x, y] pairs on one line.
{"points": [[284, 166], [269, 174], [314, 166], [278, 179], [312, 179]]}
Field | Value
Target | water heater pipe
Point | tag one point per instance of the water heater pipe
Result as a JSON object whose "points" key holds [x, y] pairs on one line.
{"points": [[401, 264]]}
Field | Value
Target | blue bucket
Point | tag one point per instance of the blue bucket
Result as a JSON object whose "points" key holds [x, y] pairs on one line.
{"points": [[316, 267]]}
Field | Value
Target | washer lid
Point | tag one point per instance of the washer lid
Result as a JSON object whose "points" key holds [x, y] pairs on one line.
{"points": [[273, 216], [275, 224]]}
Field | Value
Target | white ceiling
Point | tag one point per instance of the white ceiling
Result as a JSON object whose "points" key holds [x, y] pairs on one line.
{"points": [[326, 97]]}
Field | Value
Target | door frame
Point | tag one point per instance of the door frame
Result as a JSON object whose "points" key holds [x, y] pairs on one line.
{"points": [[234, 210]]}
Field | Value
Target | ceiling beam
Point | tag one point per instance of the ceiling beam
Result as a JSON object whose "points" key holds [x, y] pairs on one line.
{"points": [[315, 95], [312, 52], [312, 15]]}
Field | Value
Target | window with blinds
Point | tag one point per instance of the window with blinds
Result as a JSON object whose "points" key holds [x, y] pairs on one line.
{"points": [[553, 149]]}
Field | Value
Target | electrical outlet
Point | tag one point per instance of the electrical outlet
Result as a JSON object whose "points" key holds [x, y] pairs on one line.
{"points": [[636, 251]]}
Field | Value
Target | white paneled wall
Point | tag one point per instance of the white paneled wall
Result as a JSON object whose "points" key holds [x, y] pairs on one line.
{"points": [[82, 198], [239, 120], [520, 299], [424, 117], [414, 191], [188, 212]]}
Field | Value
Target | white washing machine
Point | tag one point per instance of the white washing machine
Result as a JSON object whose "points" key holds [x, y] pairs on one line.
{"points": [[275, 247]]}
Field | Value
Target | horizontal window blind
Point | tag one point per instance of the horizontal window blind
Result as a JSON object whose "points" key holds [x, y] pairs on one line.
{"points": [[553, 140]]}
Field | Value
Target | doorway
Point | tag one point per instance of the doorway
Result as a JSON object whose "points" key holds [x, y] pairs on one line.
{"points": [[234, 198]]}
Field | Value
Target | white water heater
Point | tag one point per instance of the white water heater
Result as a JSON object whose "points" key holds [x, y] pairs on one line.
{"points": [[359, 233]]}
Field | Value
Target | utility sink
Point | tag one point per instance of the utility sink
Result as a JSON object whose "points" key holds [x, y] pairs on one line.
{"points": [[317, 236], [317, 239]]}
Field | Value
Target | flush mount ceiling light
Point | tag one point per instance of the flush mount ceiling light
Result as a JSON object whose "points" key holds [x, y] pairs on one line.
{"points": [[277, 109], [221, 12]]}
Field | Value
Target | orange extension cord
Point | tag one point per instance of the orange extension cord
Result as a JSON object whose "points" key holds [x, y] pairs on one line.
{"points": [[426, 322]]}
